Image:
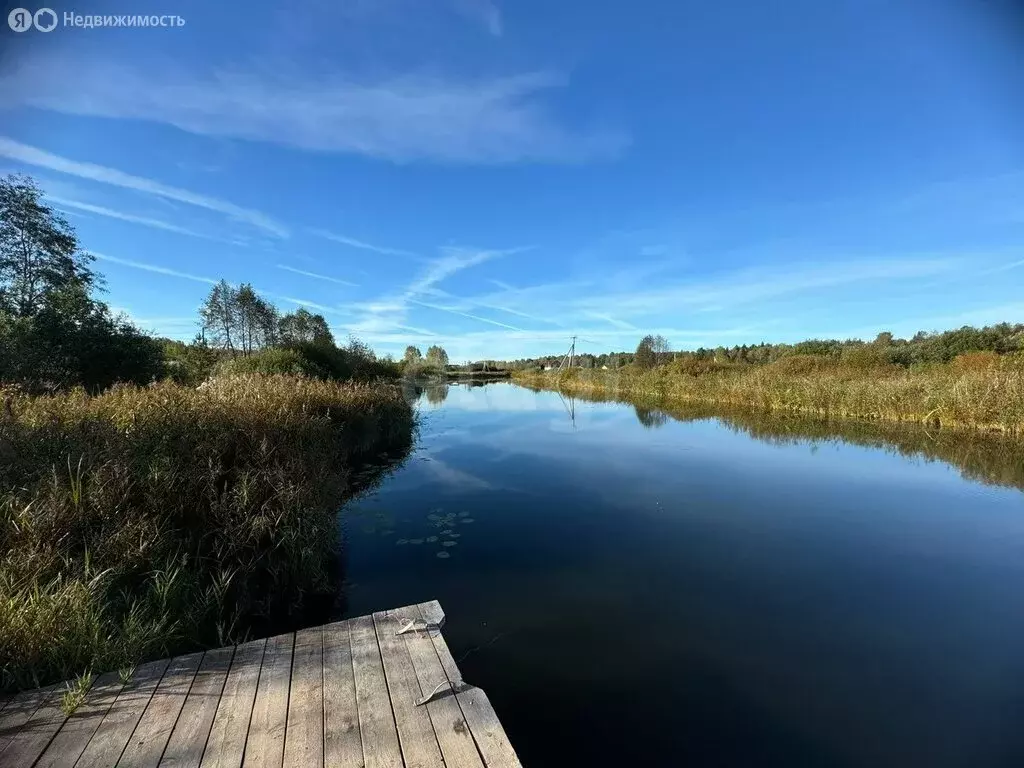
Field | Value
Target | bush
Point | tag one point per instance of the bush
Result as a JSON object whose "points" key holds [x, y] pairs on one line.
{"points": [[149, 521], [271, 362]]}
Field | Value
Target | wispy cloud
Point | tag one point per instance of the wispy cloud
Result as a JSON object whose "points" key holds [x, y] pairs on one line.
{"points": [[28, 155], [612, 320], [317, 276], [452, 260], [483, 11], [351, 241], [465, 314], [404, 118], [132, 218], [155, 268]]}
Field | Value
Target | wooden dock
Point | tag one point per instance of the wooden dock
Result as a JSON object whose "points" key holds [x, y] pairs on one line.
{"points": [[361, 692]]}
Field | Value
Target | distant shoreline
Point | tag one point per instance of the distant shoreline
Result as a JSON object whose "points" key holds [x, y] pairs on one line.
{"points": [[988, 399]]}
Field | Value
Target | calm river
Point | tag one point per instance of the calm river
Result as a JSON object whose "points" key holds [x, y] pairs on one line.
{"points": [[637, 588]]}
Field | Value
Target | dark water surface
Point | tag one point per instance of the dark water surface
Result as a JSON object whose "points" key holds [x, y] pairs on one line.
{"points": [[633, 589]]}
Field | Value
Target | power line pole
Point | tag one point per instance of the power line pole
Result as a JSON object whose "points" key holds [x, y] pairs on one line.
{"points": [[570, 354]]}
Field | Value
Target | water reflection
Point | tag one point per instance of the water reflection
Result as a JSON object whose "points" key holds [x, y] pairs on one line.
{"points": [[437, 394], [775, 590], [650, 418], [987, 457]]}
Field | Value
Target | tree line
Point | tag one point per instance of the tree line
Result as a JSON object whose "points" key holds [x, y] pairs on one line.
{"points": [[922, 348], [55, 333], [415, 362]]}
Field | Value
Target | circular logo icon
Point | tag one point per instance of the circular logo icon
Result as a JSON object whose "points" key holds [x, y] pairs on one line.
{"points": [[20, 20], [45, 19]]}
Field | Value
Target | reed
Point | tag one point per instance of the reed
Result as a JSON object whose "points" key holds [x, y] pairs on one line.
{"points": [[977, 390], [147, 521]]}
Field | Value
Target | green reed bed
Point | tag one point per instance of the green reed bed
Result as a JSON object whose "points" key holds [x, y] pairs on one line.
{"points": [[979, 390], [147, 521]]}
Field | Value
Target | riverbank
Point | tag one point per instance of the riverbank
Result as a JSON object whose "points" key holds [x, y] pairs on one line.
{"points": [[147, 522], [478, 375], [976, 391]]}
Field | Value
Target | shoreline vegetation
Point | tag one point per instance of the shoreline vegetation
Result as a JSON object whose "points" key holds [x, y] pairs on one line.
{"points": [[149, 521], [989, 400], [979, 390], [157, 496]]}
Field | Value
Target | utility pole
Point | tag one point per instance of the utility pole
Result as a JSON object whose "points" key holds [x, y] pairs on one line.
{"points": [[570, 354]]}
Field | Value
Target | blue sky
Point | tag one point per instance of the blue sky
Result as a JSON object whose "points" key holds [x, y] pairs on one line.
{"points": [[496, 176]]}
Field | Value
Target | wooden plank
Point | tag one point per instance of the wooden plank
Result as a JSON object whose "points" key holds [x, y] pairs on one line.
{"points": [[415, 731], [376, 720], [304, 745], [450, 727], [265, 746], [188, 739], [226, 745], [342, 746], [110, 739], [488, 732], [72, 739], [18, 711], [146, 746], [34, 736]]}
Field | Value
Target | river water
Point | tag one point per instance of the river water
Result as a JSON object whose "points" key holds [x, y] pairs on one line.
{"points": [[635, 587]]}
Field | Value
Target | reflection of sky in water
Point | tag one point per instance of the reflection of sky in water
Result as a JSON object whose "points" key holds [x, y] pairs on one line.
{"points": [[820, 603]]}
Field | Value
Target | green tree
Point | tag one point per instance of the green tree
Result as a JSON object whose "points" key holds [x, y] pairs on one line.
{"points": [[437, 357], [303, 327], [72, 340], [219, 316], [412, 355], [53, 333], [645, 356], [256, 320], [39, 250]]}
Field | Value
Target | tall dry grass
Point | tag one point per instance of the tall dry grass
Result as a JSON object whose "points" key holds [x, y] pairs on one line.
{"points": [[978, 390], [145, 521]]}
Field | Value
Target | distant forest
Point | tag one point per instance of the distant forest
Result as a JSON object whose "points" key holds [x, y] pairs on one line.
{"points": [[923, 347]]}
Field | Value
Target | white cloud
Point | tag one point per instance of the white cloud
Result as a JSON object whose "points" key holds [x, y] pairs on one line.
{"points": [[120, 215], [317, 276], [28, 155], [155, 268], [404, 118], [351, 241], [465, 314]]}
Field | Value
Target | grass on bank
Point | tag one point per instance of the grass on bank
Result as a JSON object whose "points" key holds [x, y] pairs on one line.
{"points": [[147, 521], [979, 389]]}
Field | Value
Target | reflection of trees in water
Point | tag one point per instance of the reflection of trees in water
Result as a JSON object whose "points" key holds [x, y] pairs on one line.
{"points": [[981, 456], [651, 418], [437, 394], [411, 391]]}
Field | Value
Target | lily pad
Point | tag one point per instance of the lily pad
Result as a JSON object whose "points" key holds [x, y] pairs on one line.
{"points": [[401, 542], [432, 516], [449, 543], [447, 532], [431, 539], [415, 541], [454, 535], [468, 520], [463, 514], [442, 554]]}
